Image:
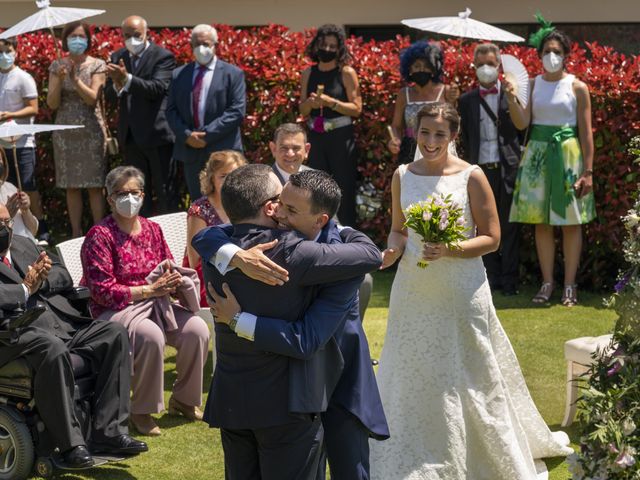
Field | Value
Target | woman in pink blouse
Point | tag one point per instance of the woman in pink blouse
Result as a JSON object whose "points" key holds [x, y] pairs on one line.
{"points": [[118, 256], [207, 210]]}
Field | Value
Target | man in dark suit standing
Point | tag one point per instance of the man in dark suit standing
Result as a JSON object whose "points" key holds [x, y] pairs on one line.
{"points": [[490, 140], [206, 106], [267, 405], [139, 78], [355, 409], [28, 277]]}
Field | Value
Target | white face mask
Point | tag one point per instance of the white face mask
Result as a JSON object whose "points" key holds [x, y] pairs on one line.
{"points": [[6, 60], [552, 62], [203, 54], [135, 45], [128, 206], [487, 74]]}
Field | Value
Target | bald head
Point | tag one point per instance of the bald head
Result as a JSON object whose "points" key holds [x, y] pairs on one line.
{"points": [[134, 26]]}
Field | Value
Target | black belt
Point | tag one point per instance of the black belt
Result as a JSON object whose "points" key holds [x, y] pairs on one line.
{"points": [[490, 166]]}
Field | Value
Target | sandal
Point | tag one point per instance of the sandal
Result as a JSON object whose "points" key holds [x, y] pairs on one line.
{"points": [[569, 295], [544, 294]]}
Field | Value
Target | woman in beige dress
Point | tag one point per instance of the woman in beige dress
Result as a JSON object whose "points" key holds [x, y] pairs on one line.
{"points": [[75, 84]]}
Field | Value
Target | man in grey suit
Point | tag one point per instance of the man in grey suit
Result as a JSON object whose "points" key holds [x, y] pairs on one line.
{"points": [[206, 106], [290, 150], [267, 405]]}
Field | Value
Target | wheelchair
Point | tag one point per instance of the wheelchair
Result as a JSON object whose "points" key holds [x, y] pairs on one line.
{"points": [[25, 444]]}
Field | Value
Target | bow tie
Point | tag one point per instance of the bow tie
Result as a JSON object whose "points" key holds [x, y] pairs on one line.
{"points": [[490, 91]]}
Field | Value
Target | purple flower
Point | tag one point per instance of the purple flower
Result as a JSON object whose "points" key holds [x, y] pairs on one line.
{"points": [[438, 202], [622, 282], [617, 366], [460, 221], [626, 458], [443, 224], [426, 216]]}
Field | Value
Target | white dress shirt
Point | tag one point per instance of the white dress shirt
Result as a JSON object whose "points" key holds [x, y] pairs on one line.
{"points": [[489, 152], [285, 175], [206, 83]]}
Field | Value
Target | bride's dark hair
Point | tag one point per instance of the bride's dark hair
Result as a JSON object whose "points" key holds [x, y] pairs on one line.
{"points": [[440, 109]]}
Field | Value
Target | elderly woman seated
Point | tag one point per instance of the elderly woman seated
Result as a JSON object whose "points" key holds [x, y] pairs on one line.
{"points": [[133, 279]]}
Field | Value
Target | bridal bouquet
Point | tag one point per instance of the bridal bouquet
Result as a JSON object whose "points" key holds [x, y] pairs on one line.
{"points": [[437, 220]]}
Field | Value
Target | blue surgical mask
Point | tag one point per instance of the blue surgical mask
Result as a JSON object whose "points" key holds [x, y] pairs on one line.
{"points": [[77, 45], [6, 60]]}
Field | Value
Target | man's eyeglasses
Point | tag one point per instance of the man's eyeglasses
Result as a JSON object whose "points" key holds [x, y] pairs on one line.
{"points": [[6, 223]]}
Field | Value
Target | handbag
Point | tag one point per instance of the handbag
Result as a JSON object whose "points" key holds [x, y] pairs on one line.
{"points": [[112, 142]]}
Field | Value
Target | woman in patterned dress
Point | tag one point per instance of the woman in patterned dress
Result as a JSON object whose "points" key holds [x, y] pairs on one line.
{"points": [[207, 210], [554, 186], [75, 84]]}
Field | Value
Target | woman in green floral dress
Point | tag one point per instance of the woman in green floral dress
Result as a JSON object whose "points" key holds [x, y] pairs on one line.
{"points": [[554, 186]]}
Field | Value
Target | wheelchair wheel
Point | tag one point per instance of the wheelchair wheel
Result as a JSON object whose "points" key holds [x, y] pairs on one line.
{"points": [[16, 448]]}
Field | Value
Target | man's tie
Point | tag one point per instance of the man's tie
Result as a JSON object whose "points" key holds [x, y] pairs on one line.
{"points": [[6, 261], [490, 91], [197, 92]]}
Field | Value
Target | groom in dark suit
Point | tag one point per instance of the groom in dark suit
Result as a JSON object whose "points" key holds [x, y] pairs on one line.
{"points": [[355, 409], [206, 106], [489, 139], [139, 78], [267, 406]]}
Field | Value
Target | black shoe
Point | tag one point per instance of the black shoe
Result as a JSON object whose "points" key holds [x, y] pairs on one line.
{"points": [[78, 457], [119, 445], [510, 291]]}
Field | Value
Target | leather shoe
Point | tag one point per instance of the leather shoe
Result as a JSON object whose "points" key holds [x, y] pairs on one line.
{"points": [[78, 457], [144, 423], [119, 445], [179, 408]]}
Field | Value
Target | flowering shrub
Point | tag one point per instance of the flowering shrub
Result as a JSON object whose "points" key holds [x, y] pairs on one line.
{"points": [[272, 58], [609, 408]]}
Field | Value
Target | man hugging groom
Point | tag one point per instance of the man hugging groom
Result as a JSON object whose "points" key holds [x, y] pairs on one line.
{"points": [[293, 366]]}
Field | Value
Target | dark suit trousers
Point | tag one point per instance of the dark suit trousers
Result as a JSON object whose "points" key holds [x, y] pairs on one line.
{"points": [[159, 169], [502, 265], [192, 169], [284, 452], [334, 152], [106, 346], [346, 445]]}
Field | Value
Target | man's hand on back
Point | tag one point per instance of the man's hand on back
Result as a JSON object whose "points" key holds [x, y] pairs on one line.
{"points": [[255, 264]]}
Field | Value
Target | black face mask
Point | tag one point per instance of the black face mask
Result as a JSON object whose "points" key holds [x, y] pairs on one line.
{"points": [[5, 238], [421, 78], [327, 56]]}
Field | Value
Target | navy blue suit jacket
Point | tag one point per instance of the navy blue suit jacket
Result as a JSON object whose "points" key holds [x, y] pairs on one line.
{"points": [[252, 388], [225, 108]]}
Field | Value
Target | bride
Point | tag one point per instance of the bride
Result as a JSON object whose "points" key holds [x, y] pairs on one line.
{"points": [[455, 398]]}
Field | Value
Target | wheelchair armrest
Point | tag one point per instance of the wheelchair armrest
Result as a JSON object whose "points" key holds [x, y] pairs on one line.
{"points": [[79, 293]]}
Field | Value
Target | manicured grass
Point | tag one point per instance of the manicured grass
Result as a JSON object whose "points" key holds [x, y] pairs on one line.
{"points": [[193, 451]]}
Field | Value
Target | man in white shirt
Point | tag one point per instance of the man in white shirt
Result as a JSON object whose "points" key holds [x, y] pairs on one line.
{"points": [[490, 140], [19, 103]]}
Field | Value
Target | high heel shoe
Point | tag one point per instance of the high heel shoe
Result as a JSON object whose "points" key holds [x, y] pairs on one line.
{"points": [[569, 295], [145, 424], [544, 294], [179, 408]]}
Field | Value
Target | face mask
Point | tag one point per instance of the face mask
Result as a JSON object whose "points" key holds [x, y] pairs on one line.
{"points": [[5, 238], [128, 206], [421, 78], [77, 45], [552, 62], [135, 45], [487, 74], [6, 60], [203, 54], [327, 56]]}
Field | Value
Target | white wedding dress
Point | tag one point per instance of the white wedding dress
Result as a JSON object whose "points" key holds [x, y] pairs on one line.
{"points": [[456, 401]]}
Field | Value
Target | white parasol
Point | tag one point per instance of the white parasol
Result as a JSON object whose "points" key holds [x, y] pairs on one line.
{"points": [[11, 132], [462, 26], [48, 17], [517, 74]]}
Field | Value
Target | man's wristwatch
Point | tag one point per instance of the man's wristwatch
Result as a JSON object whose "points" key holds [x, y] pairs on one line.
{"points": [[234, 321]]}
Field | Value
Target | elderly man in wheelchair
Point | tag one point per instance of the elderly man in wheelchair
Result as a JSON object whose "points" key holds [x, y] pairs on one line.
{"points": [[64, 378]]}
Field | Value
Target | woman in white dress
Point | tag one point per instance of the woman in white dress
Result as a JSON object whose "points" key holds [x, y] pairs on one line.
{"points": [[455, 398]]}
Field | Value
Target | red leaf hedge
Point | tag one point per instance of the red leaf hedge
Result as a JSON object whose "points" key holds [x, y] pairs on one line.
{"points": [[272, 58]]}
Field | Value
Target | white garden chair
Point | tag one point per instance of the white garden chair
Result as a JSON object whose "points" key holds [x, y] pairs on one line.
{"points": [[69, 253]]}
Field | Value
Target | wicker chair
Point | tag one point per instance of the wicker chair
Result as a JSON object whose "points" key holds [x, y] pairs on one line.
{"points": [[69, 253]]}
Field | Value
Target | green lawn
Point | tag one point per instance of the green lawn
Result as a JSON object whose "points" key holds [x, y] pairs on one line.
{"points": [[192, 451]]}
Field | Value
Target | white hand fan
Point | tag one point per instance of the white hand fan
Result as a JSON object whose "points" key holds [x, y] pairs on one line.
{"points": [[516, 73]]}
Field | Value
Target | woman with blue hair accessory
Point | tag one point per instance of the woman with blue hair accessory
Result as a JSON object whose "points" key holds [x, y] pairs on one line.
{"points": [[421, 66]]}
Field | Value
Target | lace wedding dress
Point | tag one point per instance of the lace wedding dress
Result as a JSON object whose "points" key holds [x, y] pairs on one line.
{"points": [[453, 392]]}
